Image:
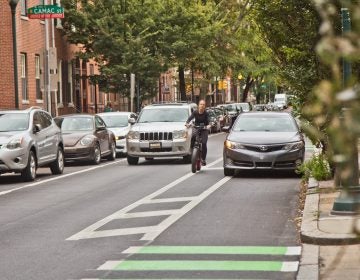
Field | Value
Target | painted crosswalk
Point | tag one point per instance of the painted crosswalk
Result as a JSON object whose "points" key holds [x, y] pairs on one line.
{"points": [[208, 259]]}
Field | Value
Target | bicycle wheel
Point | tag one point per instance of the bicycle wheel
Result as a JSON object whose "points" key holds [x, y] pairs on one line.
{"points": [[194, 159], [198, 162]]}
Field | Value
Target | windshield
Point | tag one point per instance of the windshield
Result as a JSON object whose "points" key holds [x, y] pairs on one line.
{"points": [[14, 122], [164, 115], [230, 107], [265, 123], [115, 120], [77, 124]]}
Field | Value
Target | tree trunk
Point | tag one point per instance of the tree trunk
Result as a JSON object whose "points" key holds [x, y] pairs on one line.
{"points": [[249, 82], [182, 83]]}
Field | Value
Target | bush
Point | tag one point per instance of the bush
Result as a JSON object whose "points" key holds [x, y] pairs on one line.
{"points": [[317, 167]]}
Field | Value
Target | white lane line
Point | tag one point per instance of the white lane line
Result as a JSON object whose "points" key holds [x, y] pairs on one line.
{"points": [[59, 177], [293, 251], [89, 232], [289, 266], [173, 218], [148, 214], [132, 250], [109, 265], [172, 199]]}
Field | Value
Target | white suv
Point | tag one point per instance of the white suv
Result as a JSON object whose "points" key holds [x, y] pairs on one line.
{"points": [[160, 131], [30, 139]]}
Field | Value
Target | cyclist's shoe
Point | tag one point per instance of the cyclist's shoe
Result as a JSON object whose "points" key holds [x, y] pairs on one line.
{"points": [[203, 162]]}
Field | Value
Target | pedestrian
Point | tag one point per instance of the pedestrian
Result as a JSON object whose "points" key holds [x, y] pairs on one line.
{"points": [[108, 107]]}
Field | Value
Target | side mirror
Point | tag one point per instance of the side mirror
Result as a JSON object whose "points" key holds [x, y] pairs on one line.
{"points": [[226, 129], [37, 128], [131, 121]]}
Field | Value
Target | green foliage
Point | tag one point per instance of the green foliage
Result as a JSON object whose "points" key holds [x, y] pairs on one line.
{"points": [[317, 167]]}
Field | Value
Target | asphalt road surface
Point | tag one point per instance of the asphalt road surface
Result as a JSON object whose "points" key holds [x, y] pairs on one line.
{"points": [[155, 220]]}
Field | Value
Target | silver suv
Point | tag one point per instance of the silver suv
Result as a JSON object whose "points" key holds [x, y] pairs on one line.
{"points": [[30, 139], [160, 131]]}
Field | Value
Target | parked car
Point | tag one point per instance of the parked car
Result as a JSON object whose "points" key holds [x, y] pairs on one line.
{"points": [[30, 139], [118, 123], [160, 131], [86, 138], [263, 140], [214, 120], [245, 106]]}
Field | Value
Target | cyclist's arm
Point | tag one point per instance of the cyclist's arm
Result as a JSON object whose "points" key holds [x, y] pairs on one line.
{"points": [[207, 121], [190, 118]]}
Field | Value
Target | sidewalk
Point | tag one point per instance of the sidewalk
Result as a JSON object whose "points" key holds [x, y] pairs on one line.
{"points": [[331, 249]]}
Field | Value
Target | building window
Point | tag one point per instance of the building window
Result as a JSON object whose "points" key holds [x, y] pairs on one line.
{"points": [[59, 92], [24, 89], [23, 5], [37, 77], [70, 83], [92, 86]]}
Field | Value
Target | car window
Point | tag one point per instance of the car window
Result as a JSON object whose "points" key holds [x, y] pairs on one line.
{"points": [[265, 123], [77, 124], [45, 119], [99, 122], [115, 120], [14, 122], [164, 115]]}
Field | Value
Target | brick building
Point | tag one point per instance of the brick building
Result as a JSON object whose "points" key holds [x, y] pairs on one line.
{"points": [[69, 89]]}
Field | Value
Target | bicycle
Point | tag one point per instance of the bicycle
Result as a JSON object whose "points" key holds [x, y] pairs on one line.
{"points": [[197, 149]]}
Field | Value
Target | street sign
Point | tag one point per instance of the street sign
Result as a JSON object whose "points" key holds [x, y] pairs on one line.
{"points": [[45, 11]]}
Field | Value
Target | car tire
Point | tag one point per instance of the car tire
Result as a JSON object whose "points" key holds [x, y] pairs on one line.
{"points": [[112, 155], [229, 172], [29, 173], [132, 160], [187, 159], [96, 155], [57, 167]]}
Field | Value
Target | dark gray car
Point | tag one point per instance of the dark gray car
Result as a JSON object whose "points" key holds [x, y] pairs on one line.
{"points": [[263, 140]]}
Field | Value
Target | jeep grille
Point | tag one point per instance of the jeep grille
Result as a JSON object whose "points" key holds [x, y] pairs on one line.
{"points": [[156, 136]]}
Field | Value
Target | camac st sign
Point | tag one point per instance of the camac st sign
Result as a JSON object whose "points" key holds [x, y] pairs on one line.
{"points": [[45, 11]]}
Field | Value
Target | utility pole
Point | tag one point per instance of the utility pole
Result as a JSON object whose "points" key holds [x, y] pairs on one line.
{"points": [[348, 201]]}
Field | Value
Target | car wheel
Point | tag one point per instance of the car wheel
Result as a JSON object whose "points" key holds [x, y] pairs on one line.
{"points": [[187, 159], [29, 173], [57, 167], [229, 172], [112, 155], [97, 154], [132, 160]]}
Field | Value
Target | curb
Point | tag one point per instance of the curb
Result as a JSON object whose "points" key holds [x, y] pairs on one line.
{"points": [[309, 264], [310, 232]]}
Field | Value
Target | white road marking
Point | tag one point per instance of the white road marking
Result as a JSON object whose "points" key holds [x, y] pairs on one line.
{"points": [[109, 265], [289, 266], [293, 251], [152, 231], [132, 250], [59, 177]]}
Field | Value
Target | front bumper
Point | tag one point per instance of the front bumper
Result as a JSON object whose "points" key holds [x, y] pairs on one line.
{"points": [[277, 160], [78, 153], [121, 146], [13, 160], [163, 148]]}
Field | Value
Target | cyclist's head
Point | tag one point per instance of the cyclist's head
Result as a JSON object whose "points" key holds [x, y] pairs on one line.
{"points": [[202, 105]]}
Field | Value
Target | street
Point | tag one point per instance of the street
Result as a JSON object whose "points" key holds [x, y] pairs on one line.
{"points": [[156, 220]]}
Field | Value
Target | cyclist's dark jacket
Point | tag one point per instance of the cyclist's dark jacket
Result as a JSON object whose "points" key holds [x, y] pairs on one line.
{"points": [[200, 119]]}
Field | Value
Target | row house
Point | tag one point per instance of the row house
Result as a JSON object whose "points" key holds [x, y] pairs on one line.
{"points": [[67, 88]]}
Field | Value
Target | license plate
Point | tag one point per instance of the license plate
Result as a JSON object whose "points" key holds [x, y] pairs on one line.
{"points": [[156, 145]]}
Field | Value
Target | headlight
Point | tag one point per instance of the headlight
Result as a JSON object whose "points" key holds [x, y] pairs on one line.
{"points": [[294, 146], [233, 145], [178, 134], [86, 141], [14, 144], [133, 135]]}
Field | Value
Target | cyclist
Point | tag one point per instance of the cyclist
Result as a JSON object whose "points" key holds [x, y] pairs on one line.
{"points": [[201, 117]]}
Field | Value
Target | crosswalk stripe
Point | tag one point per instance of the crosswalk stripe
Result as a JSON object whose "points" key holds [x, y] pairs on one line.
{"points": [[231, 250], [172, 265]]}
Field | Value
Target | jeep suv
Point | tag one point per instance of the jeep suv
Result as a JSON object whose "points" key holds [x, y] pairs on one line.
{"points": [[160, 131], [29, 139]]}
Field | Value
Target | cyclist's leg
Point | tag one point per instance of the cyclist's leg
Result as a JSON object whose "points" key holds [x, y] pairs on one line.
{"points": [[204, 139], [193, 136]]}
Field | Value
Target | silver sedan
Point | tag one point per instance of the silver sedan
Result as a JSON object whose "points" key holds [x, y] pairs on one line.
{"points": [[263, 140]]}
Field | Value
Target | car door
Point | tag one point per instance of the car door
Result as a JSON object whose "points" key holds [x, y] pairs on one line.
{"points": [[39, 137], [51, 138], [102, 134]]}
